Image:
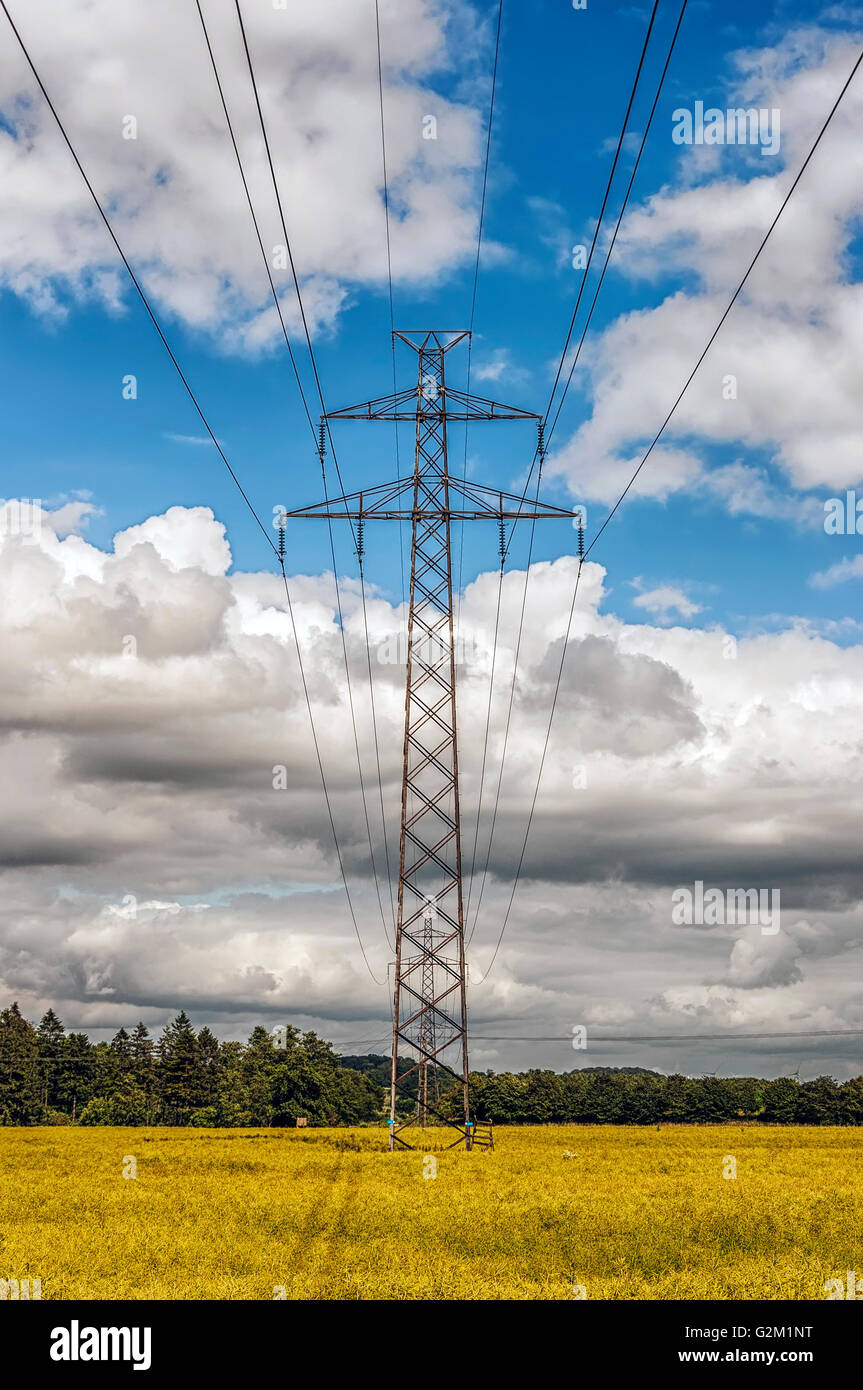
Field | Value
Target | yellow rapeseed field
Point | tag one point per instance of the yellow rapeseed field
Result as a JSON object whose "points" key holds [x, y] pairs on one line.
{"points": [[553, 1213]]}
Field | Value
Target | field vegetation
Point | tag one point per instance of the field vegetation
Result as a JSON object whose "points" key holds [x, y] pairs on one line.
{"points": [[555, 1212]]}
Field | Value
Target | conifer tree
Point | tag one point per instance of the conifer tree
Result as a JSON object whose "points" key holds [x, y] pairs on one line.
{"points": [[21, 1087], [51, 1042]]}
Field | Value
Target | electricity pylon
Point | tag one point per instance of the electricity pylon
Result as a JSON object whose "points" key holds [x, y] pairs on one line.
{"points": [[430, 1002]]}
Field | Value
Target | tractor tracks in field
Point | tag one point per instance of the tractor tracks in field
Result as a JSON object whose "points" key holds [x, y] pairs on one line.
{"points": [[333, 1206]]}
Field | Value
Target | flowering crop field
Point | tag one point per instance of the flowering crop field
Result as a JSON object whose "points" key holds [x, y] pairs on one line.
{"points": [[562, 1212]]}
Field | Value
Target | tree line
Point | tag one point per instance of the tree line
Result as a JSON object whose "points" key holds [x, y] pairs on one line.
{"points": [[607, 1096], [184, 1077], [49, 1076], [635, 1096]]}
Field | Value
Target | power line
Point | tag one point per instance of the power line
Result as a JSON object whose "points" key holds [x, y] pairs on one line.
{"points": [[325, 427], [132, 276], [182, 377], [623, 207], [290, 254], [484, 745], [476, 264], [731, 302], [595, 240], [508, 712], [305, 406], [324, 782], [384, 160], [395, 441], [377, 752], [594, 244], [389, 269], [264, 255], [602, 209], [645, 459], [571, 371], [498, 1037], [538, 775], [464, 470], [341, 627], [539, 454], [485, 168], [674, 1037]]}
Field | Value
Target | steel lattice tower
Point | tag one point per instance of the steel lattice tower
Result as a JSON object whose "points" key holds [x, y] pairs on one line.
{"points": [[430, 997], [427, 1085]]}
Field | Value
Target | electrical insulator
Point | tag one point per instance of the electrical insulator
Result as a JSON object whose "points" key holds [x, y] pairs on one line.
{"points": [[282, 541]]}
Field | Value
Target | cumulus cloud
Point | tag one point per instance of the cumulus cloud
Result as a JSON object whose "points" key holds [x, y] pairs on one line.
{"points": [[848, 568], [499, 365], [136, 92], [780, 378], [665, 600], [148, 695]]}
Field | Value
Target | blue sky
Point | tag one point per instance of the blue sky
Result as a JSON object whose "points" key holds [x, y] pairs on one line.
{"points": [[153, 780], [563, 83]]}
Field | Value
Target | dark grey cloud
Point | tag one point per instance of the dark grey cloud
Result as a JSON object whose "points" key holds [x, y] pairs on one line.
{"points": [[151, 864]]}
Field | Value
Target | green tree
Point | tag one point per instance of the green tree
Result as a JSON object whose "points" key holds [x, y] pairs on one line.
{"points": [[233, 1104], [543, 1097], [51, 1040], [780, 1101], [127, 1106], [642, 1099], [851, 1101], [818, 1102], [711, 1100], [21, 1087], [744, 1095], [143, 1068], [121, 1048], [77, 1074], [180, 1071], [260, 1063], [604, 1098], [356, 1098], [208, 1051], [677, 1102]]}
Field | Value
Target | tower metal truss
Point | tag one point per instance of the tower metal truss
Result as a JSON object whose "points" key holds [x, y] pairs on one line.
{"points": [[430, 997]]}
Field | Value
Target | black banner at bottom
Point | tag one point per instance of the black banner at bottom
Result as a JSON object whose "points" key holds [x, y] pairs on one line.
{"points": [[165, 1340]]}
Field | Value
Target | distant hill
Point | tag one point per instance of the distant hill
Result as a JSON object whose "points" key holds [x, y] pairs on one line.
{"points": [[378, 1068]]}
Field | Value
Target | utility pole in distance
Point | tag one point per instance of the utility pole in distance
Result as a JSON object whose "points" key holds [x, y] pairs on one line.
{"points": [[430, 1001]]}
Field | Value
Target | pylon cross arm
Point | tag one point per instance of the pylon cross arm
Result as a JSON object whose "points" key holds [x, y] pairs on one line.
{"points": [[432, 402], [479, 503]]}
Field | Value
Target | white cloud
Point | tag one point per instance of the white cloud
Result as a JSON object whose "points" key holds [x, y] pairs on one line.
{"points": [[840, 573], [150, 864], [190, 439], [497, 365], [27, 515], [780, 377], [665, 600], [182, 537], [174, 192]]}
